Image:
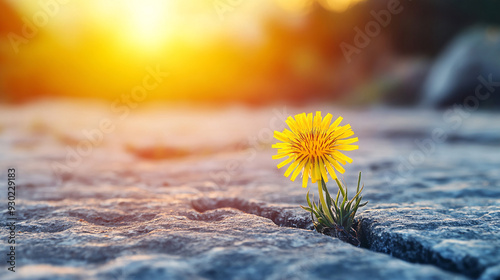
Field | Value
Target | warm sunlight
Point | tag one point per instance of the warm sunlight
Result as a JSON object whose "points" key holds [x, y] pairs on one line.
{"points": [[214, 48], [148, 23], [302, 6], [338, 5]]}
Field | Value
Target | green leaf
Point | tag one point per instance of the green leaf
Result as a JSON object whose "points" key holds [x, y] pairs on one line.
{"points": [[324, 221], [336, 206], [328, 197], [344, 201], [340, 187], [356, 206], [343, 191], [323, 204], [308, 201], [359, 180], [335, 218], [338, 194], [348, 206], [312, 206], [331, 212], [320, 214], [316, 212], [352, 211], [315, 207], [308, 209], [357, 195]]}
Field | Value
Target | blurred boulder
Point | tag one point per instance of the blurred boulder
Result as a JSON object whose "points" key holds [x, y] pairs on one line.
{"points": [[408, 75], [467, 72]]}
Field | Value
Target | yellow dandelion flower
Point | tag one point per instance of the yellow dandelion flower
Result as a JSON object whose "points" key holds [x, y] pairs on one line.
{"points": [[313, 146]]}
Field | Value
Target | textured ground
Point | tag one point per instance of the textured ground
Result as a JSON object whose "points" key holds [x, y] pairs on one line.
{"points": [[190, 193]]}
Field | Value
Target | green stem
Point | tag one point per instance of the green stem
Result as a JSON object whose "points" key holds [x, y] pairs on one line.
{"points": [[323, 201]]}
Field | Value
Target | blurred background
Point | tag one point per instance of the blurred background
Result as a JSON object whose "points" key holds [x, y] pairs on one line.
{"points": [[119, 116], [349, 52]]}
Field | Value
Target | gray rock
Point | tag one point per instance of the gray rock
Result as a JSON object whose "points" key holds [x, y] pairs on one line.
{"points": [[463, 239], [469, 60], [181, 243], [230, 214]]}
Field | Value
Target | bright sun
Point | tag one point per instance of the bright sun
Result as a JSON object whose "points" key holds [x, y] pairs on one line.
{"points": [[148, 23], [148, 26]]}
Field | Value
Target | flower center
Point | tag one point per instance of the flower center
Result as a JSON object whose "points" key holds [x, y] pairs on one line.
{"points": [[313, 144]]}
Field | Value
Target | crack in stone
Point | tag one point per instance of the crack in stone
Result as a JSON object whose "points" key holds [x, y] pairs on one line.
{"points": [[407, 249], [280, 216], [411, 250]]}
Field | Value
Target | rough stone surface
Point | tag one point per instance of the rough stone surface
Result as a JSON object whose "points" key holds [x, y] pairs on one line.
{"points": [[183, 193], [463, 239]]}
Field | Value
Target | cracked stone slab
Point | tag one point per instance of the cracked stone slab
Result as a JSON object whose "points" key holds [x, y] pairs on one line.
{"points": [[178, 242], [223, 209], [463, 239]]}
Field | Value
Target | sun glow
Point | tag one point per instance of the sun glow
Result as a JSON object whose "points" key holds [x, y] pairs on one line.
{"points": [[338, 5], [216, 50], [150, 22]]}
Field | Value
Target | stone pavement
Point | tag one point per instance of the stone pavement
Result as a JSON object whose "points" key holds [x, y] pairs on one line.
{"points": [[176, 192]]}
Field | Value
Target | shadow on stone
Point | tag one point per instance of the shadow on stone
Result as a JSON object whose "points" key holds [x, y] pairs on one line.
{"points": [[283, 217]]}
